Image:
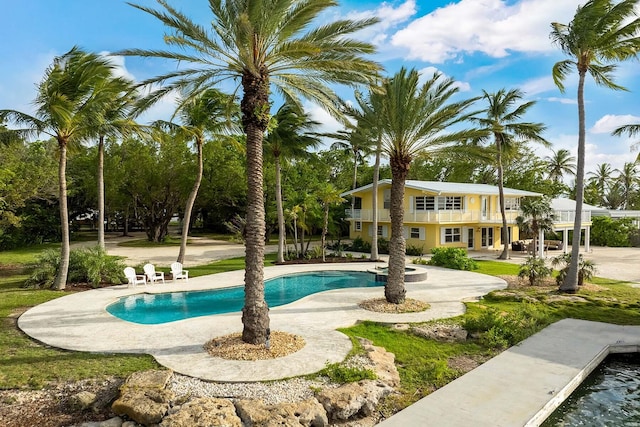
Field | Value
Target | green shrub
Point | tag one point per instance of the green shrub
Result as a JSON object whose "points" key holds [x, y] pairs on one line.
{"points": [[586, 268], [90, 265], [341, 374], [359, 245], [535, 270], [420, 261], [455, 258], [500, 330], [414, 250]]}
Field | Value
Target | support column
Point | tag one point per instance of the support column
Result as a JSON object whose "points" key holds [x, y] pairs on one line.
{"points": [[587, 238], [565, 241], [541, 244]]}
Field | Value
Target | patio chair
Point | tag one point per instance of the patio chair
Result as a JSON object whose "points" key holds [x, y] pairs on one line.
{"points": [[178, 273], [133, 278], [152, 275]]}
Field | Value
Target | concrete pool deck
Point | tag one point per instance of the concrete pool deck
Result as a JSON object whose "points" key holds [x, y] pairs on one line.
{"points": [[80, 322]]}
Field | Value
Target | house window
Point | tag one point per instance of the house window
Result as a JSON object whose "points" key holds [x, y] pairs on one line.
{"points": [[441, 203], [415, 233], [511, 204], [358, 226], [386, 195], [380, 230], [452, 234], [487, 237]]}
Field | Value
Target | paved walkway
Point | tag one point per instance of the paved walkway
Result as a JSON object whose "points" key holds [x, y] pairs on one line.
{"points": [[80, 322]]}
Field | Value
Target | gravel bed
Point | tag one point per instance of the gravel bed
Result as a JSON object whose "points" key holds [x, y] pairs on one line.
{"points": [[271, 393]]}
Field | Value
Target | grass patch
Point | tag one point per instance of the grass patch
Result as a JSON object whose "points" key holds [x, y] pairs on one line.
{"points": [[496, 268], [24, 256]]}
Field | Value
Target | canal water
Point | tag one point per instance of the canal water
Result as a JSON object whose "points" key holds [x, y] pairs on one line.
{"points": [[609, 397]]}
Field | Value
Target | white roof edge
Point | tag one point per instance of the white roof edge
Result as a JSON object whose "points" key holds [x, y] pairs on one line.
{"points": [[471, 188]]}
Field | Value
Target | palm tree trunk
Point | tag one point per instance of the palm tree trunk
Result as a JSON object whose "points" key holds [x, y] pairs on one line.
{"points": [[505, 230], [295, 235], [101, 192], [190, 202], [374, 202], [325, 229], [394, 290], [63, 269], [353, 186], [570, 283], [281, 230], [255, 118]]}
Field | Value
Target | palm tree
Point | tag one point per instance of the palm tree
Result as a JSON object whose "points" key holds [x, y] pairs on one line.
{"points": [[366, 116], [537, 215], [601, 33], [601, 177], [628, 180], [413, 119], [288, 138], [210, 111], [502, 123], [70, 105], [257, 44], [560, 163], [328, 195], [116, 121]]}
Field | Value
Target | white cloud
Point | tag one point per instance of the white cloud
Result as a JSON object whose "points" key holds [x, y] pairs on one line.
{"points": [[328, 124], [562, 100], [389, 18], [427, 72], [538, 85], [492, 27], [120, 69], [609, 122]]}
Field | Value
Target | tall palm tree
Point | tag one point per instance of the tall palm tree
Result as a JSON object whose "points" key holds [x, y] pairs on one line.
{"points": [[288, 138], [413, 118], [210, 111], [628, 179], [560, 163], [116, 121], [601, 33], [328, 195], [70, 104], [601, 177], [502, 122], [366, 116], [258, 44], [537, 215]]}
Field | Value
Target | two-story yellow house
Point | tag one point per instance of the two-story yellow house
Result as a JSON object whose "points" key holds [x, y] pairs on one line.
{"points": [[439, 214]]}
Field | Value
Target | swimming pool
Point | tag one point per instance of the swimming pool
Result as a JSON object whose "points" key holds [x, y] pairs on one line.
{"points": [[151, 309]]}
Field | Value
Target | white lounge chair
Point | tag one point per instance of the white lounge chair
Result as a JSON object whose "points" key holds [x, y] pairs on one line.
{"points": [[152, 275], [133, 278], [178, 273]]}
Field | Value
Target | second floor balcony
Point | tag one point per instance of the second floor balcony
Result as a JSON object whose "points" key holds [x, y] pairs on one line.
{"points": [[458, 216]]}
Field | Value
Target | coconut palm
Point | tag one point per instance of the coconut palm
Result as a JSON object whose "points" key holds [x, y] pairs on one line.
{"points": [[116, 121], [560, 163], [413, 119], [328, 195], [288, 139], [368, 107], [502, 123], [537, 215], [258, 44], [601, 33], [70, 105], [601, 177], [211, 112], [628, 179]]}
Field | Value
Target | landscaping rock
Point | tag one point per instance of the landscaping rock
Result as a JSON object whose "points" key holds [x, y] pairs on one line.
{"points": [[82, 401], [204, 412], [441, 332], [308, 413], [111, 422], [144, 398], [354, 399], [382, 363]]}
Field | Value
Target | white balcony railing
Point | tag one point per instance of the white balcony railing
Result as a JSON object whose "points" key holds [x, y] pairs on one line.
{"points": [[457, 216]]}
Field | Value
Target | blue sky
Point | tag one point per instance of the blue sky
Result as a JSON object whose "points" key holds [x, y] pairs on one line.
{"points": [[483, 44]]}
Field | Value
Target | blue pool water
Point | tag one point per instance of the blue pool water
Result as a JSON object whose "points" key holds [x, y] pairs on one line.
{"points": [[150, 309]]}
